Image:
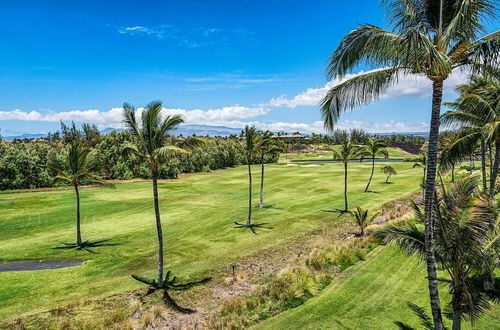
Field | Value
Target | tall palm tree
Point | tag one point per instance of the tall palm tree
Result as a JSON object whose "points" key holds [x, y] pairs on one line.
{"points": [[80, 168], [363, 218], [421, 162], [265, 144], [151, 146], [464, 224], [374, 148], [251, 136], [348, 151], [431, 38], [477, 111]]}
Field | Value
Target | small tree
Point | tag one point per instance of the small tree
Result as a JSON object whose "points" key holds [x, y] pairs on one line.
{"points": [[388, 171], [80, 167], [363, 218]]}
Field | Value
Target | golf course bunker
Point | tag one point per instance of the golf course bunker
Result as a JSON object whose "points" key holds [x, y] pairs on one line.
{"points": [[30, 265]]}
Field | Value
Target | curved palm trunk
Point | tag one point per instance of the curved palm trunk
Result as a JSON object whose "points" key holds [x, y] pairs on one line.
{"points": [[494, 170], [159, 230], [430, 185], [371, 175], [483, 165], [261, 201], [346, 206], [78, 232], [249, 218]]}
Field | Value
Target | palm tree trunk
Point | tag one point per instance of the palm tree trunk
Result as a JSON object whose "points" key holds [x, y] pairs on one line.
{"points": [[494, 170], [430, 185], [346, 206], [159, 230], [78, 232], [371, 175], [456, 306], [452, 173], [249, 219], [261, 201], [483, 164]]}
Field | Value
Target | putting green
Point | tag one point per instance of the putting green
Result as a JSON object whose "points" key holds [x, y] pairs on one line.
{"points": [[198, 212]]}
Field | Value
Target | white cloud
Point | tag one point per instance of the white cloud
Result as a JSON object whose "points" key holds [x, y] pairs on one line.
{"points": [[113, 117], [407, 86]]}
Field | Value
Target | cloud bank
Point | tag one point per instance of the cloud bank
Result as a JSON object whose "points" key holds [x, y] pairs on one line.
{"points": [[407, 86]]}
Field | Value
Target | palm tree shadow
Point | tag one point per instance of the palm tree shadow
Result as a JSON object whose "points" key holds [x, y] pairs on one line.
{"points": [[86, 245], [170, 283], [270, 207], [253, 226], [339, 211], [373, 192]]}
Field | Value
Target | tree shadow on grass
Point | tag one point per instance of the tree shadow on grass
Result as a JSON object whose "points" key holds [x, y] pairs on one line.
{"points": [[252, 226], [339, 211], [86, 245], [170, 283], [270, 206]]}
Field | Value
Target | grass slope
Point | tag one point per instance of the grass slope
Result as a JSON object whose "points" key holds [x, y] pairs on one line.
{"points": [[371, 295], [198, 214]]}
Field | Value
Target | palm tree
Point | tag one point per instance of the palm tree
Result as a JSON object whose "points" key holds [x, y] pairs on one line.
{"points": [[265, 144], [477, 111], [430, 38], [348, 151], [150, 146], [363, 218], [464, 222], [374, 148], [388, 171], [80, 167], [251, 135]]}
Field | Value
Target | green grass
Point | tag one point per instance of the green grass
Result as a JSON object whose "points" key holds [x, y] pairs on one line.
{"points": [[371, 295], [393, 153], [198, 212]]}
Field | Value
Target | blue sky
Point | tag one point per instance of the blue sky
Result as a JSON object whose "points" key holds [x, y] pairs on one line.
{"points": [[216, 62]]}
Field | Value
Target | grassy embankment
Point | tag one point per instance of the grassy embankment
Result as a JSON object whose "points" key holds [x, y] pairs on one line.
{"points": [[372, 295]]}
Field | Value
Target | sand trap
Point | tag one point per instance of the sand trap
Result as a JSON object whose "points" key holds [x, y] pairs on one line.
{"points": [[30, 265], [291, 165], [310, 165]]}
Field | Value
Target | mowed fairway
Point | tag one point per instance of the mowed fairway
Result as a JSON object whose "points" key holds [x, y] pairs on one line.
{"points": [[198, 213], [372, 295]]}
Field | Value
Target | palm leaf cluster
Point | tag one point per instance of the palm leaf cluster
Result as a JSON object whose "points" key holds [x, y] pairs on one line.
{"points": [[466, 234], [477, 113]]}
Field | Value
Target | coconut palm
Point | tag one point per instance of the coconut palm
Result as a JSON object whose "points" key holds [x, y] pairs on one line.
{"points": [[265, 144], [430, 38], [464, 223], [80, 167], [477, 111], [374, 148], [348, 151], [150, 146], [251, 135], [388, 171], [363, 218]]}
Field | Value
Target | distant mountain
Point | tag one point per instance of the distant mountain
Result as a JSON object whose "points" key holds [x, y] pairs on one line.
{"points": [[188, 130], [201, 130], [24, 136]]}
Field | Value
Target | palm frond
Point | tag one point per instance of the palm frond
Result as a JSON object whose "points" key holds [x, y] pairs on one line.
{"points": [[360, 89]]}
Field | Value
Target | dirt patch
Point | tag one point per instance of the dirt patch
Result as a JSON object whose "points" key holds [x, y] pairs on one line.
{"points": [[31, 265]]}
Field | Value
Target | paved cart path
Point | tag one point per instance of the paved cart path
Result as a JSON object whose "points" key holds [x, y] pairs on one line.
{"points": [[30, 265]]}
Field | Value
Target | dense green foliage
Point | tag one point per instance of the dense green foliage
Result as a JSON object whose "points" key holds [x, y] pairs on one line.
{"points": [[34, 164]]}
